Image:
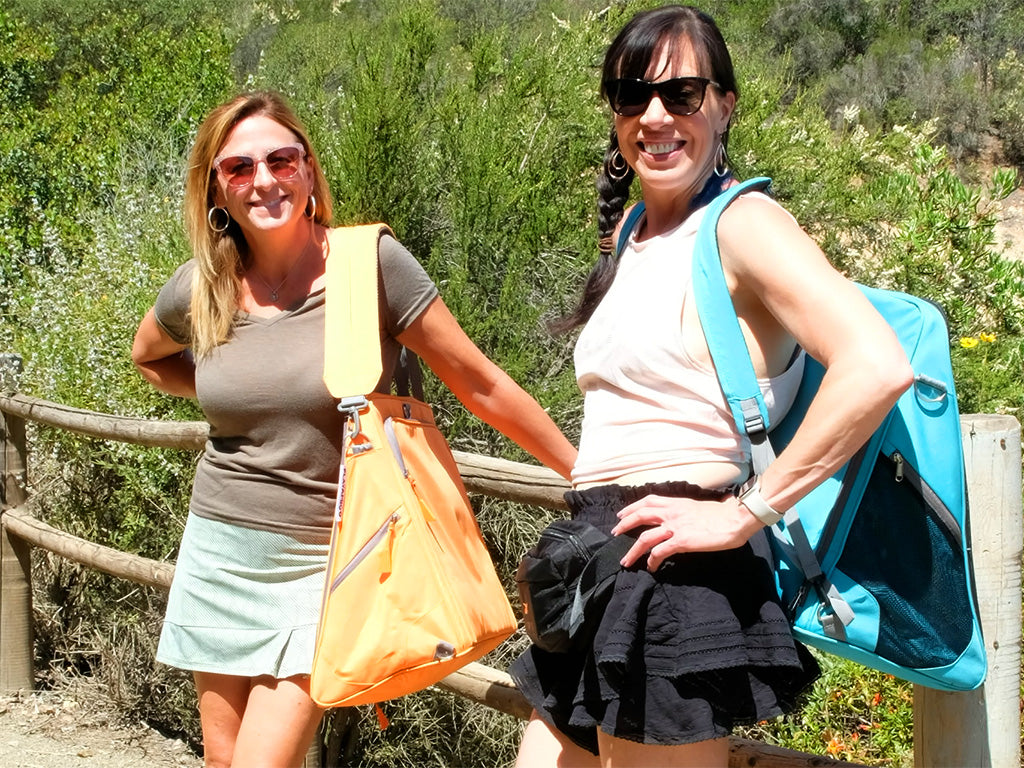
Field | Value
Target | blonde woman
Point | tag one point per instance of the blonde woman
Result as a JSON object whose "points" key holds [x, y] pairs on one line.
{"points": [[240, 327]]}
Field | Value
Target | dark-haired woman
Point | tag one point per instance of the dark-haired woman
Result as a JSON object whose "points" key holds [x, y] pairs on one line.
{"points": [[241, 327], [693, 640]]}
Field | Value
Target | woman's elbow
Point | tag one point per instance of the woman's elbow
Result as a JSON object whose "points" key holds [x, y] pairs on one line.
{"points": [[138, 359], [892, 374], [142, 358]]}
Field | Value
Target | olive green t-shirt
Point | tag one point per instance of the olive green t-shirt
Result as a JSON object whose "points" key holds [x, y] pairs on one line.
{"points": [[272, 459]]}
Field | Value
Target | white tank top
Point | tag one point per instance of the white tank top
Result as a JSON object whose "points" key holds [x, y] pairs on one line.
{"points": [[648, 405]]}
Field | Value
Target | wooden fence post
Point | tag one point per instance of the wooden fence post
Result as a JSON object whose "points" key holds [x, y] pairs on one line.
{"points": [[16, 642], [981, 728]]}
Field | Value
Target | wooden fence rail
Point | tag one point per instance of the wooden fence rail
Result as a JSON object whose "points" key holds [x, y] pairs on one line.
{"points": [[980, 728]]}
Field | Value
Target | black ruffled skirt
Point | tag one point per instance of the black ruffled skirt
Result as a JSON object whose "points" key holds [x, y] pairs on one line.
{"points": [[680, 655]]}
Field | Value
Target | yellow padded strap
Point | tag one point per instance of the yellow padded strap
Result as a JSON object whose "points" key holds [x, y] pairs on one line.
{"points": [[352, 359]]}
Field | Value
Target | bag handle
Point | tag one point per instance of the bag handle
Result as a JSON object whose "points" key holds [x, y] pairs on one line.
{"points": [[352, 356], [739, 383]]}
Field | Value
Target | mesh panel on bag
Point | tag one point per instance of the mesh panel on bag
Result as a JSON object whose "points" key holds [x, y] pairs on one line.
{"points": [[914, 567]]}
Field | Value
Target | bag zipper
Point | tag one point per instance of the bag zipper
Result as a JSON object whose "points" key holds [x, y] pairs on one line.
{"points": [[903, 471], [445, 649], [396, 450], [581, 550], [366, 549]]}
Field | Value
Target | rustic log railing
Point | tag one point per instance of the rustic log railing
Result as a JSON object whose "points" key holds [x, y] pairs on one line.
{"points": [[980, 728]]}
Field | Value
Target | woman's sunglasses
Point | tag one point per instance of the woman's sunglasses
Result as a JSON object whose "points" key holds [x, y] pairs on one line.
{"points": [[681, 95], [240, 170]]}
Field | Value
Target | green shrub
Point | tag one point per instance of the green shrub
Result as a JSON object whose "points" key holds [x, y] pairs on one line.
{"points": [[1009, 113], [851, 713], [88, 89]]}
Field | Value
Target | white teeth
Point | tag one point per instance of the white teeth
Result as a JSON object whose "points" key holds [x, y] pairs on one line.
{"points": [[661, 149]]}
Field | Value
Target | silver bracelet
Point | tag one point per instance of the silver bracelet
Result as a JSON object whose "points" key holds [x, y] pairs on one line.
{"points": [[750, 497]]}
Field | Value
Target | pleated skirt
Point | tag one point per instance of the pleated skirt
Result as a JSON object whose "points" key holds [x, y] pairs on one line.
{"points": [[243, 601], [680, 655]]}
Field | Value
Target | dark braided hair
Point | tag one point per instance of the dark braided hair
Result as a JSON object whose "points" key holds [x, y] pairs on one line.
{"points": [[630, 56], [613, 185]]}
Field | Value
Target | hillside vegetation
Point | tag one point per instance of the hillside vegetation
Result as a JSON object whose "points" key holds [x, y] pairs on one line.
{"points": [[892, 129]]}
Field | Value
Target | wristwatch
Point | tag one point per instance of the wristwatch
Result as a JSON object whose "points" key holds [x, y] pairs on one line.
{"points": [[750, 497]]}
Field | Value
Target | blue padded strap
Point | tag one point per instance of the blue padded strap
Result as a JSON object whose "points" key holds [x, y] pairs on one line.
{"points": [[628, 226], [739, 384], [721, 328]]}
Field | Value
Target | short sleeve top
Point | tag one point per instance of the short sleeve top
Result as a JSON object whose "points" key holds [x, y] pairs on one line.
{"points": [[271, 461]]}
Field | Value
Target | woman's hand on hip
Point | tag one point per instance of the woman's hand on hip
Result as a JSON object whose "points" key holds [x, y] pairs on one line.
{"points": [[675, 524]]}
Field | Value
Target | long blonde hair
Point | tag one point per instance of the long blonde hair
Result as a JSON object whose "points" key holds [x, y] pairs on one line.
{"points": [[222, 257]]}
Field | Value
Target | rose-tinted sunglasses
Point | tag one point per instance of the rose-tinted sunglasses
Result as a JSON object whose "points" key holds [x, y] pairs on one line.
{"points": [[240, 170], [681, 95]]}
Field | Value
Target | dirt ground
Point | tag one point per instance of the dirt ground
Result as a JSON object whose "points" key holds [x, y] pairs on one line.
{"points": [[71, 729]]}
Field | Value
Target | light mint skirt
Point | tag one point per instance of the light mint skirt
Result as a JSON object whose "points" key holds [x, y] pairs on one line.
{"points": [[244, 602]]}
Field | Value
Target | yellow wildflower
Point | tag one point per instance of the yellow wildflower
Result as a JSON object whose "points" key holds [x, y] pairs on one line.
{"points": [[968, 342], [988, 338]]}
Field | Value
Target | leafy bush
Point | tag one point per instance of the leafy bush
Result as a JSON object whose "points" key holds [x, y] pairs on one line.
{"points": [[1009, 114], [851, 713], [820, 35], [88, 89], [902, 62]]}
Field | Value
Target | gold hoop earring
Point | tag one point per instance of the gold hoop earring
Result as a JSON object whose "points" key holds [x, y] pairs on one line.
{"points": [[310, 214], [216, 211]]}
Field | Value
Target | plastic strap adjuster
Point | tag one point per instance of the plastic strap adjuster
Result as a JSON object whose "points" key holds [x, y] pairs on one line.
{"points": [[351, 406]]}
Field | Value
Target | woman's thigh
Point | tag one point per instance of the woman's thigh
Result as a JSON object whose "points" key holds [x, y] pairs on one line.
{"points": [[279, 723], [222, 704], [544, 747], [622, 753]]}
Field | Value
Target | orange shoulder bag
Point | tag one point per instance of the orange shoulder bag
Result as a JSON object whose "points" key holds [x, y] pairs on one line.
{"points": [[411, 594]]}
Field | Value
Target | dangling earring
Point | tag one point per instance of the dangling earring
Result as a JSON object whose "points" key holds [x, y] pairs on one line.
{"points": [[216, 211], [617, 167], [311, 213], [721, 161]]}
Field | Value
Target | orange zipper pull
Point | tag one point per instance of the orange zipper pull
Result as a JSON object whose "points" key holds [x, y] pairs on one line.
{"points": [[386, 559]]}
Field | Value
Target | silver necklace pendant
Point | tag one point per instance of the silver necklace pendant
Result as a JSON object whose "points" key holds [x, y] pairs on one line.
{"points": [[275, 291]]}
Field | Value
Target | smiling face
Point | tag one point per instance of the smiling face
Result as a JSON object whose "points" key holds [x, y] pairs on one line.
{"points": [[674, 155], [268, 203]]}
